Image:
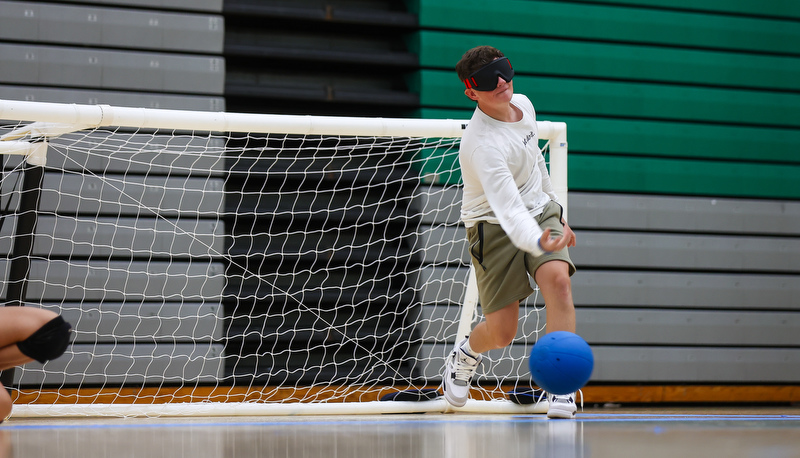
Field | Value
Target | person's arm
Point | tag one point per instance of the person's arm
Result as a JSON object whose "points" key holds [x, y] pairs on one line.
{"points": [[547, 187], [503, 196]]}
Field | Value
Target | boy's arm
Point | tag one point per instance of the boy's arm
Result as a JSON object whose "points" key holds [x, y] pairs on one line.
{"points": [[506, 203]]}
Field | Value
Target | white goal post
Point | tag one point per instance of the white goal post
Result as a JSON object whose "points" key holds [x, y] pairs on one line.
{"points": [[247, 264]]}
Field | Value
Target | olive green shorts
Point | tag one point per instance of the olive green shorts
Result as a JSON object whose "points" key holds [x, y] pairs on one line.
{"points": [[501, 268]]}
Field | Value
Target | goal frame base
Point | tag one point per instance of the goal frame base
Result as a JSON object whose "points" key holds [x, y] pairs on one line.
{"points": [[260, 409], [234, 401]]}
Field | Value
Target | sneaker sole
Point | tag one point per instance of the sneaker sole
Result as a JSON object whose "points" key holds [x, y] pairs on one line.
{"points": [[454, 402], [559, 413]]}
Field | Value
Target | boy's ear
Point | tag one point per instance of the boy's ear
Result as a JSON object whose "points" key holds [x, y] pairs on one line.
{"points": [[471, 94]]}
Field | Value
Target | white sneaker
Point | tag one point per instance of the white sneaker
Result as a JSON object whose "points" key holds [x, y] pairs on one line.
{"points": [[561, 406], [458, 372]]}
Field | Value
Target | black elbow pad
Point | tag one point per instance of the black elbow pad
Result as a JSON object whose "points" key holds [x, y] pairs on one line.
{"points": [[48, 342]]}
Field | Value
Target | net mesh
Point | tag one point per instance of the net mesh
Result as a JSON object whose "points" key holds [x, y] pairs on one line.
{"points": [[199, 266]]}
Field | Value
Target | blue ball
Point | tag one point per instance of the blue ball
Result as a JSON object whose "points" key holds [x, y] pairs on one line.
{"points": [[561, 362]]}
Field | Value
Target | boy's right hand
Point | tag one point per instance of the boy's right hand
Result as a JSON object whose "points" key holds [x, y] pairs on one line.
{"points": [[552, 244]]}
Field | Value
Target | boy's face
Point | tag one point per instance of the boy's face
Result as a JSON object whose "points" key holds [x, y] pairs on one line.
{"points": [[499, 96], [501, 69]]}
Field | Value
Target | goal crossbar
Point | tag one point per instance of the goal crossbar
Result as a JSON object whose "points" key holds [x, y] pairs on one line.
{"points": [[86, 116]]}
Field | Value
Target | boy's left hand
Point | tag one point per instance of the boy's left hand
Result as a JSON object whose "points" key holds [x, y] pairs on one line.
{"points": [[572, 240]]}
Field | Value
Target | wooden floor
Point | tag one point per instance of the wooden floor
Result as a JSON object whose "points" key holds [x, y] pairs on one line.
{"points": [[597, 432]]}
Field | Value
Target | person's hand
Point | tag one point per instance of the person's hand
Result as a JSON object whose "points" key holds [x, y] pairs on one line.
{"points": [[572, 240], [550, 244]]}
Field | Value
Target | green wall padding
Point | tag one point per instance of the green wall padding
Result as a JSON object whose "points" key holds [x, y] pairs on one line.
{"points": [[630, 100], [686, 97], [613, 23], [616, 61], [683, 177]]}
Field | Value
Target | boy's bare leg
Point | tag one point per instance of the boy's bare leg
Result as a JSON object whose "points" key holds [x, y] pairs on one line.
{"points": [[554, 283], [556, 287], [497, 330]]}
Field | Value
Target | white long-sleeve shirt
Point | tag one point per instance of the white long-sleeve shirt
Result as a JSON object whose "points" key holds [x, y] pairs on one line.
{"points": [[505, 176]]}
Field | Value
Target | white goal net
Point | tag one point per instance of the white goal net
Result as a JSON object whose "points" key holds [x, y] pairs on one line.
{"points": [[229, 264]]}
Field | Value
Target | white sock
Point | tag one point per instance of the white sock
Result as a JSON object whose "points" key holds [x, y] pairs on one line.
{"points": [[468, 350]]}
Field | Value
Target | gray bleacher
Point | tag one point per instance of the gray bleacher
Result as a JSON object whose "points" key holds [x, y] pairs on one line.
{"points": [[182, 5], [151, 281], [133, 261], [116, 55]]}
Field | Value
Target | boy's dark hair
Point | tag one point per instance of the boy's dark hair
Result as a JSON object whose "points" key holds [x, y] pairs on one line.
{"points": [[474, 59]]}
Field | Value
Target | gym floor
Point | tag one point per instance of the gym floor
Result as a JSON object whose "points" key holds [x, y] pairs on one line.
{"points": [[597, 432]]}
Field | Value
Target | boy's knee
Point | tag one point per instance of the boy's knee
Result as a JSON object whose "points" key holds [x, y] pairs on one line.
{"points": [[503, 337], [558, 284], [563, 284], [553, 275]]}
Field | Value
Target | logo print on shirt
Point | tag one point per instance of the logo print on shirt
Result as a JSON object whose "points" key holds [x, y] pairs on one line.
{"points": [[528, 138]]}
